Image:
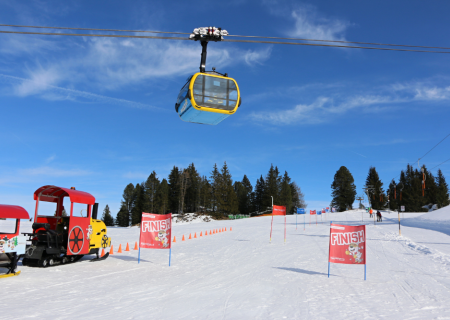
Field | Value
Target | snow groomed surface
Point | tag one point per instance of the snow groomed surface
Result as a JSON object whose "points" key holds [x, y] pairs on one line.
{"points": [[239, 275]]}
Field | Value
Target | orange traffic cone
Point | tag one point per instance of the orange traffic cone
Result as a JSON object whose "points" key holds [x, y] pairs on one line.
{"points": [[190, 237], [103, 253], [225, 229], [183, 238], [231, 228], [200, 233], [135, 246], [214, 231], [174, 239], [120, 249], [127, 248], [206, 232], [111, 251], [210, 233], [195, 235]]}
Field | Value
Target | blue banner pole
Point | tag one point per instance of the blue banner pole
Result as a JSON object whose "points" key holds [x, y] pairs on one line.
{"points": [[139, 255], [329, 253], [170, 255], [304, 222], [364, 271]]}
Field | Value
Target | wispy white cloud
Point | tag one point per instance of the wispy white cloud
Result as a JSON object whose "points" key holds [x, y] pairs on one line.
{"points": [[423, 90], [308, 22], [323, 108], [319, 111], [111, 64], [252, 57], [40, 84], [311, 24], [50, 159]]}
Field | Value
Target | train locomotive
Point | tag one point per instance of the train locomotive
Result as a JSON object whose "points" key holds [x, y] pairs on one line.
{"points": [[64, 238]]}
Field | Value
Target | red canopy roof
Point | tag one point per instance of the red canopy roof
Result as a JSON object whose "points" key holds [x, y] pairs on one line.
{"points": [[13, 212], [52, 193]]}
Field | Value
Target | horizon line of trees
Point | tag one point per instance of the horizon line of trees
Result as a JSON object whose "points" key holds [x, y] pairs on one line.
{"points": [[414, 190], [185, 190]]}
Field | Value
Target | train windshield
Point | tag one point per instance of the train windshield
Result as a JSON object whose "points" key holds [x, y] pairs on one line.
{"points": [[217, 93]]}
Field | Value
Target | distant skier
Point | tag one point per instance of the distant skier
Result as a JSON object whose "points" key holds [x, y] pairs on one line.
{"points": [[371, 212], [379, 217]]}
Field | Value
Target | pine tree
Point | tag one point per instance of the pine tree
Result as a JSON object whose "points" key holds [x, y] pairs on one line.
{"points": [[412, 192], [344, 190], [162, 196], [183, 185], [123, 217], [215, 182], [139, 204], [258, 196], [429, 187], [272, 187], [243, 190], [107, 218], [192, 196], [400, 190], [247, 200], [298, 198], [442, 198], [225, 194], [285, 197], [174, 190], [392, 195], [129, 196], [151, 188], [377, 199], [205, 195]]}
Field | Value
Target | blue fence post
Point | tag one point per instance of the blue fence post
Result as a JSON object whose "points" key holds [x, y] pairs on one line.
{"points": [[329, 254]]}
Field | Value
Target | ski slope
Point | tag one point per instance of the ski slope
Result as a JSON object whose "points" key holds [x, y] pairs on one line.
{"points": [[240, 275]]}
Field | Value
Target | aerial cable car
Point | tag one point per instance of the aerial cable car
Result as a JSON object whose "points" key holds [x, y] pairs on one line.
{"points": [[208, 97]]}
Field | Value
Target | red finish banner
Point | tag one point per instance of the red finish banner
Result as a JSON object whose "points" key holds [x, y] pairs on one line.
{"points": [[312, 211], [279, 211], [347, 244], [156, 231]]}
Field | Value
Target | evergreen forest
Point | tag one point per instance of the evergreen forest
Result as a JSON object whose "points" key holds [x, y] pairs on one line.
{"points": [[185, 190], [416, 190]]}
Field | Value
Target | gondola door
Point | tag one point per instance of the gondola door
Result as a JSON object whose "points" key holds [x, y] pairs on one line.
{"points": [[80, 232]]}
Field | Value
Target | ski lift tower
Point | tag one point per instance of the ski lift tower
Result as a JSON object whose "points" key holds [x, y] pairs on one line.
{"points": [[369, 189], [360, 198]]}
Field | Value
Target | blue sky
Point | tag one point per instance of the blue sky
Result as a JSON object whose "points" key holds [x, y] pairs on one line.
{"points": [[98, 113]]}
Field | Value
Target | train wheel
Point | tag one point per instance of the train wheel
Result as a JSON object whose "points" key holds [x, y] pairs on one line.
{"points": [[76, 240], [51, 262], [64, 260]]}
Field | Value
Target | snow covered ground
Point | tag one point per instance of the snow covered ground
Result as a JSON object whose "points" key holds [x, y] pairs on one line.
{"points": [[240, 275]]}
